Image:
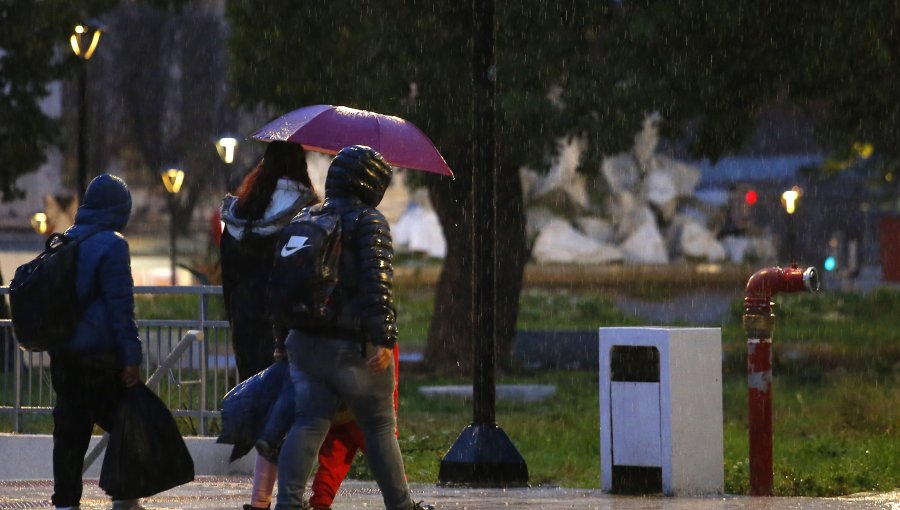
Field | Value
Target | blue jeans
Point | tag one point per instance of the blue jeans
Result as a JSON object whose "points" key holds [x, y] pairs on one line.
{"points": [[280, 417], [326, 372]]}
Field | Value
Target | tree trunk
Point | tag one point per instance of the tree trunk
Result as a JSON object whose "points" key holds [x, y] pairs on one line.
{"points": [[449, 348], [512, 255]]}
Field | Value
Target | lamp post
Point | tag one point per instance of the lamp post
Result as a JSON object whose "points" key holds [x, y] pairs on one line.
{"points": [[789, 200], [84, 41], [172, 178], [483, 455], [226, 146]]}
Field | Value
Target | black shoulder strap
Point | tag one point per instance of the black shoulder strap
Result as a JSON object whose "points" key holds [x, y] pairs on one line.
{"points": [[64, 238], [75, 241]]}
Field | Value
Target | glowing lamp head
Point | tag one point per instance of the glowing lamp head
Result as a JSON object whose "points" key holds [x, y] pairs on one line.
{"points": [[790, 198], [39, 223], [226, 146], [863, 149], [172, 179], [84, 41]]}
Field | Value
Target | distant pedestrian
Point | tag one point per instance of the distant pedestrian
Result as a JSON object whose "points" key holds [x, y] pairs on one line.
{"points": [[90, 373], [247, 247], [350, 361], [266, 200]]}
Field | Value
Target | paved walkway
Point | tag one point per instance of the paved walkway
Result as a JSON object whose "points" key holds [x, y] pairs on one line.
{"points": [[230, 493]]}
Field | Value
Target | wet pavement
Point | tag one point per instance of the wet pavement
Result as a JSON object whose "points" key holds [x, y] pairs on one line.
{"points": [[230, 493]]}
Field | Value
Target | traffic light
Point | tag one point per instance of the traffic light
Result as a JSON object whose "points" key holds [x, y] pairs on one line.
{"points": [[742, 201], [750, 197]]}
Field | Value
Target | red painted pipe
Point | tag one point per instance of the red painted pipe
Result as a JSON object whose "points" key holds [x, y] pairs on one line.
{"points": [[769, 281], [759, 399], [759, 321]]}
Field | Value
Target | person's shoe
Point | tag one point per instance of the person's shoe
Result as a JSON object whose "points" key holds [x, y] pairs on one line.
{"points": [[251, 507], [68, 507], [126, 504], [421, 505], [267, 451]]}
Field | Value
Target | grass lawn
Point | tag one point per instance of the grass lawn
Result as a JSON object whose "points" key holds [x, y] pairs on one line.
{"points": [[838, 436], [836, 397], [836, 393]]}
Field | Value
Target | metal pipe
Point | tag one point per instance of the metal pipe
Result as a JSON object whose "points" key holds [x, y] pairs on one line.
{"points": [[17, 389], [204, 368], [172, 255], [483, 454], [484, 190], [759, 322], [81, 171]]}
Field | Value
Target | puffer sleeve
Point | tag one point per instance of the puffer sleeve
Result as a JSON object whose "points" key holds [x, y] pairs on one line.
{"points": [[375, 254], [117, 291]]}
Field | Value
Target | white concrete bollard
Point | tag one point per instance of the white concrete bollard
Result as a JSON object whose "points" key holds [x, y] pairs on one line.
{"points": [[661, 410]]}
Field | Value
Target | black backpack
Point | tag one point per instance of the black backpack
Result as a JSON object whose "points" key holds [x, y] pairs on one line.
{"points": [[42, 297], [305, 270]]}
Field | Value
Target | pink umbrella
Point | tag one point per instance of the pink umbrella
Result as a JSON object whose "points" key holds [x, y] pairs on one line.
{"points": [[328, 129]]}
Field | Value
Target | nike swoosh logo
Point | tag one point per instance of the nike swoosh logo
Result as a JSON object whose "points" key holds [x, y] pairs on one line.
{"points": [[294, 244]]}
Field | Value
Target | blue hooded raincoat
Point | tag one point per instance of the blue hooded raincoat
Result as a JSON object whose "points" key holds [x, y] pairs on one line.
{"points": [[104, 283]]}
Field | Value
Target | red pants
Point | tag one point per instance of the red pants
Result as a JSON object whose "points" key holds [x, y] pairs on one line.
{"points": [[338, 451]]}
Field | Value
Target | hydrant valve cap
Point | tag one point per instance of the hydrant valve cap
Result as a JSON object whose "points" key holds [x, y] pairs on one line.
{"points": [[811, 279]]}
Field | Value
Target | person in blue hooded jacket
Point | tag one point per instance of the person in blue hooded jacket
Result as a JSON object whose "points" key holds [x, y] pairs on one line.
{"points": [[90, 373]]}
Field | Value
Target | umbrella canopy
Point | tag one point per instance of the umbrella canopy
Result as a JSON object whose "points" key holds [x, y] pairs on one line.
{"points": [[328, 129]]}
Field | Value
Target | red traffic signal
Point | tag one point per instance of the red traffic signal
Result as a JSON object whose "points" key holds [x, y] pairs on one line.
{"points": [[750, 197]]}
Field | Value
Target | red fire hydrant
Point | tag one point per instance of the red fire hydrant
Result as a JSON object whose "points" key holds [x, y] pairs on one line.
{"points": [[759, 321]]}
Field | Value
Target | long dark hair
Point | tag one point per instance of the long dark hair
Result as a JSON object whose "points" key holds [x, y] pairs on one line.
{"points": [[281, 159]]}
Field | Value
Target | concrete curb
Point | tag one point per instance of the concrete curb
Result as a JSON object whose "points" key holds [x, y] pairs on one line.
{"points": [[30, 457]]}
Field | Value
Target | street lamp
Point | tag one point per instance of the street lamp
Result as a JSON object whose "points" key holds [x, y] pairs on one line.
{"points": [[483, 453], [789, 200], [226, 147], [84, 41], [39, 223], [81, 33], [172, 177]]}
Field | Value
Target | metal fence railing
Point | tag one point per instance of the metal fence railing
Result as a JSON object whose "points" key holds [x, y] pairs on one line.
{"points": [[192, 382]]}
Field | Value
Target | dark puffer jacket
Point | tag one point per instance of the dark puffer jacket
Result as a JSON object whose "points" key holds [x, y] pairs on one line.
{"points": [[104, 283], [247, 250], [356, 182]]}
